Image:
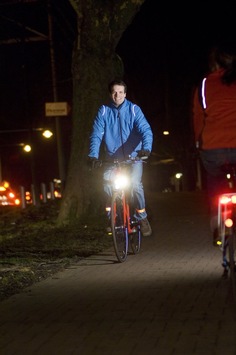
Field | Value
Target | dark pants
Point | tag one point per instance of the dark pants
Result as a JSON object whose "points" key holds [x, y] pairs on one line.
{"points": [[213, 160]]}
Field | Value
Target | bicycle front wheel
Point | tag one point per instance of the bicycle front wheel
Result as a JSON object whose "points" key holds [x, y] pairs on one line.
{"points": [[119, 228], [135, 238]]}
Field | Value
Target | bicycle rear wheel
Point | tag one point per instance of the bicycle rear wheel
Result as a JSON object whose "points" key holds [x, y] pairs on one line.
{"points": [[232, 267], [135, 238], [119, 228]]}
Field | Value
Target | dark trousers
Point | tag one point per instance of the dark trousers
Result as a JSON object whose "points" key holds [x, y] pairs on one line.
{"points": [[213, 160]]}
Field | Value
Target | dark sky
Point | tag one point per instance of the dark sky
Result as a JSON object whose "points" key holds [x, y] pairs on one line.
{"points": [[164, 52], [165, 49], [26, 85]]}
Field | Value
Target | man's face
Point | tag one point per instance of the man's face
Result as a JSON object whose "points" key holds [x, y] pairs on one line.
{"points": [[118, 94]]}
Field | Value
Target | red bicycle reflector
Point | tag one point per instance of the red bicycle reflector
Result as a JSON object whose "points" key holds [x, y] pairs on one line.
{"points": [[228, 222], [224, 200]]}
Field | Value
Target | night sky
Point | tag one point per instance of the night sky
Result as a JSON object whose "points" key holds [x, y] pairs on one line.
{"points": [[164, 52], [26, 85]]}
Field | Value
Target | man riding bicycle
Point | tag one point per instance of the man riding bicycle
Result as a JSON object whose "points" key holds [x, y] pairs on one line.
{"points": [[125, 132]]}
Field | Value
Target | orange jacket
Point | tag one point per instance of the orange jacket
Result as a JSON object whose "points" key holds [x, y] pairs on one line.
{"points": [[216, 124]]}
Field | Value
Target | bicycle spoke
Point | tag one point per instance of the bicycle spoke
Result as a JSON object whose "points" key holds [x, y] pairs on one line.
{"points": [[135, 239], [119, 229]]}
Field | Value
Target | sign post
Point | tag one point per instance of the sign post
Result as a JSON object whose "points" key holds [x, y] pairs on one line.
{"points": [[57, 110]]}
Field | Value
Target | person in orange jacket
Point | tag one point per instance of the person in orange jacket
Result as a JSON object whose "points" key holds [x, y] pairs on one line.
{"points": [[214, 122]]}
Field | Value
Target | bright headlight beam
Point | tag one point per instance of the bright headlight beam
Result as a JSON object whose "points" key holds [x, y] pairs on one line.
{"points": [[121, 181]]}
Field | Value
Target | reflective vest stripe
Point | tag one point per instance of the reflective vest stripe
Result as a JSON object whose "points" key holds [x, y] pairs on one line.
{"points": [[203, 93]]}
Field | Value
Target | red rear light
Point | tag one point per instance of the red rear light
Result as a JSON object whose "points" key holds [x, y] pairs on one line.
{"points": [[228, 222], [224, 200]]}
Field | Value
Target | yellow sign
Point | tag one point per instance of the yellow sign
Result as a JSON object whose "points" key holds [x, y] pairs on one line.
{"points": [[56, 109]]}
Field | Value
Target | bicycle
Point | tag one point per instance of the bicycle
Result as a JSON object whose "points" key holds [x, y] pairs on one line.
{"points": [[227, 227], [125, 229]]}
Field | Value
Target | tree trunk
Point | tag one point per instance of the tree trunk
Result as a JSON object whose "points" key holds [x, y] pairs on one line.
{"points": [[95, 64]]}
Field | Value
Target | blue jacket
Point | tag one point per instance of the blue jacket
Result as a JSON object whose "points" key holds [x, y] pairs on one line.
{"points": [[124, 131]]}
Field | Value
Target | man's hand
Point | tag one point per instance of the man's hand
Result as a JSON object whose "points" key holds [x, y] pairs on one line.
{"points": [[143, 154], [93, 163]]}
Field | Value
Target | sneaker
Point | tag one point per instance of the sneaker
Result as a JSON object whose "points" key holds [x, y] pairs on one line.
{"points": [[145, 227]]}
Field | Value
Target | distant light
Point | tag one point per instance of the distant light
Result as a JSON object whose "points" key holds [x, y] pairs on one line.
{"points": [[178, 175], [57, 194], [47, 133], [6, 184], [166, 133], [57, 181], [27, 148]]}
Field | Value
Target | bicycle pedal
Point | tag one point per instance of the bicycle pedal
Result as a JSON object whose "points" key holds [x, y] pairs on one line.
{"points": [[134, 224], [134, 230], [109, 231]]}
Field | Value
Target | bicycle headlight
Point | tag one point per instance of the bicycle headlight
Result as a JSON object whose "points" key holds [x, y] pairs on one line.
{"points": [[121, 182]]}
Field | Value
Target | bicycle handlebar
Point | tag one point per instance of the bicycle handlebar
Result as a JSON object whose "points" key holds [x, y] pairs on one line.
{"points": [[98, 163], [128, 161]]}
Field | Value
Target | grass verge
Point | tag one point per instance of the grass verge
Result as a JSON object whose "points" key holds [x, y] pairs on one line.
{"points": [[33, 248]]}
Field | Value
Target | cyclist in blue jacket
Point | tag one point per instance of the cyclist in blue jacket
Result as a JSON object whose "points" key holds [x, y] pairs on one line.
{"points": [[125, 132]]}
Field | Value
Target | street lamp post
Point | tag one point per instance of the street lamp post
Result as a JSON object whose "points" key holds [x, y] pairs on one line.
{"points": [[61, 163]]}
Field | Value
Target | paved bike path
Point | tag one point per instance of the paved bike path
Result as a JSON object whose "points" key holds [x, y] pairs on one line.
{"points": [[168, 300]]}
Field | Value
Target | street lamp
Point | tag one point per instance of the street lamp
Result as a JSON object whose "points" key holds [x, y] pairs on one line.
{"points": [[46, 134], [27, 148]]}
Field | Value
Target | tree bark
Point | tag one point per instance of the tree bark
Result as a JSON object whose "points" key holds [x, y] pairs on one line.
{"points": [[94, 64]]}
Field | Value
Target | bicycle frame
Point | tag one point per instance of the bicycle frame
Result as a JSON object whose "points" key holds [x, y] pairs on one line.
{"points": [[125, 231], [131, 228]]}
